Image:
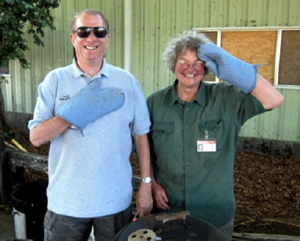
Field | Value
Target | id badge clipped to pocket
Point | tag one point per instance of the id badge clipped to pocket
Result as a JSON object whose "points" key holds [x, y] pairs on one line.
{"points": [[207, 144]]}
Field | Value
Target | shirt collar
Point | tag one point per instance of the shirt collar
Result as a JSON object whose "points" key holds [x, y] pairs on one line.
{"points": [[200, 98], [174, 96], [103, 71]]}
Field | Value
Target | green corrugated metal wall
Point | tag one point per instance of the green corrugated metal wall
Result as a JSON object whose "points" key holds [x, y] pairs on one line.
{"points": [[154, 23]]}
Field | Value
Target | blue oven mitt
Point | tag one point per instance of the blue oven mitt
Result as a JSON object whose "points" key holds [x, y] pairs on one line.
{"points": [[229, 68], [90, 104]]}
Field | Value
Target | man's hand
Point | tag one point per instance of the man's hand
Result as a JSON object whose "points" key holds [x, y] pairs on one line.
{"points": [[90, 104], [144, 201], [160, 197], [229, 68]]}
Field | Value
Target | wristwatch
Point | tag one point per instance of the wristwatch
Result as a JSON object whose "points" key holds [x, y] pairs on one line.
{"points": [[146, 180], [74, 127]]}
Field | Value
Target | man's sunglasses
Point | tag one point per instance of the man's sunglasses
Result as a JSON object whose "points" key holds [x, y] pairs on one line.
{"points": [[84, 32]]}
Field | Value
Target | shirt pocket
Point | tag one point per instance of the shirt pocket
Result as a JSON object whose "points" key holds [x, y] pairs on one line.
{"points": [[162, 137], [213, 130]]}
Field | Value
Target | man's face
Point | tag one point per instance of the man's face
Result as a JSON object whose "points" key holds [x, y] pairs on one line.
{"points": [[90, 49]]}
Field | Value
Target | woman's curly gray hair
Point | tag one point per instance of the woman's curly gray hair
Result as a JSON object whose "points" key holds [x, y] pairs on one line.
{"points": [[178, 46]]}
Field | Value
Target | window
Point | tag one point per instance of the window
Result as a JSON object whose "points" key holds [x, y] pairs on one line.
{"points": [[276, 49]]}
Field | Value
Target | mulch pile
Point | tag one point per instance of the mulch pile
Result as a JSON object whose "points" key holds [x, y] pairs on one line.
{"points": [[267, 191]]}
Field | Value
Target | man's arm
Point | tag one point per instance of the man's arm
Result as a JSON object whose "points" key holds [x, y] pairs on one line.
{"points": [[144, 197], [268, 96], [48, 130], [159, 193]]}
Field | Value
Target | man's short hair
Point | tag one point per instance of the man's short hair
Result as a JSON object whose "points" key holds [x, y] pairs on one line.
{"points": [[90, 12]]}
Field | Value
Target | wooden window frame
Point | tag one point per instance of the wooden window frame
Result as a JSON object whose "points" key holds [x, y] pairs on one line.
{"points": [[278, 44]]}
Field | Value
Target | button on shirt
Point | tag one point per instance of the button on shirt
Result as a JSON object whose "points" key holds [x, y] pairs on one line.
{"points": [[200, 182]]}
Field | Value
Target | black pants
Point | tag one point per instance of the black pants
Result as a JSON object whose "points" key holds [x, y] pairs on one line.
{"points": [[63, 228]]}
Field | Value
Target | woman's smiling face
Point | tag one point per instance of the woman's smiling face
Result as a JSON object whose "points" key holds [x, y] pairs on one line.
{"points": [[189, 70]]}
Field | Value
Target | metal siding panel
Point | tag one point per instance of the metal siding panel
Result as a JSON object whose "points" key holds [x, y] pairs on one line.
{"points": [[167, 32], [279, 124], [238, 13], [68, 12], [293, 13], [252, 127], [58, 47], [154, 23], [270, 124], [79, 5], [107, 8], [255, 13], [150, 46], [235, 13], [48, 57], [183, 16], [158, 51], [136, 39], [291, 115], [281, 113], [17, 91], [200, 13], [118, 25], [35, 72], [6, 89], [218, 14], [29, 92], [277, 15], [214, 16], [271, 19], [137, 57]]}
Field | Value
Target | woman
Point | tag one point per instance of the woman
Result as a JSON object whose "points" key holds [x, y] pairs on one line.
{"points": [[195, 127]]}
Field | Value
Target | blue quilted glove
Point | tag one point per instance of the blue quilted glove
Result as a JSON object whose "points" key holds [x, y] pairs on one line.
{"points": [[90, 104], [228, 68]]}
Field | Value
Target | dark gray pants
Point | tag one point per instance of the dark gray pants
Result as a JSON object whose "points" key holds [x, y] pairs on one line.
{"points": [[227, 230], [63, 228]]}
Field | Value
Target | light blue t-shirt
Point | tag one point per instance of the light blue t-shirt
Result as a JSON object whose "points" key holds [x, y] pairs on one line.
{"points": [[91, 176]]}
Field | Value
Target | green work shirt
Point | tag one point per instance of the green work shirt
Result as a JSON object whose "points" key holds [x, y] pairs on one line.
{"points": [[199, 182]]}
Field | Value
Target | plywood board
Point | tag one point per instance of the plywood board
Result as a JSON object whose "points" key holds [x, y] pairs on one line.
{"points": [[213, 37], [253, 47], [289, 70]]}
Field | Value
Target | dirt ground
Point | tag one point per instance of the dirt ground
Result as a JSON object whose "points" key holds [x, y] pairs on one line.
{"points": [[6, 223], [267, 191]]}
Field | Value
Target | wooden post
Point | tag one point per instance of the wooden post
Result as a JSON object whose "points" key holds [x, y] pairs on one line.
{"points": [[3, 194]]}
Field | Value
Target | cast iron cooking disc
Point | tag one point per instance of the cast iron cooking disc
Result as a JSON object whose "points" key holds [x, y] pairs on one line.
{"points": [[186, 228], [142, 235]]}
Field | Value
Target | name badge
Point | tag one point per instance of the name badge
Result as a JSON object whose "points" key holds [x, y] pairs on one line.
{"points": [[206, 146]]}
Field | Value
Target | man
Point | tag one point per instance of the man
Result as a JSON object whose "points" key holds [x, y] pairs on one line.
{"points": [[195, 127], [89, 110]]}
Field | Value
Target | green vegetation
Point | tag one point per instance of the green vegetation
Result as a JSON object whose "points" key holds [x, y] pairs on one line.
{"points": [[18, 17]]}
